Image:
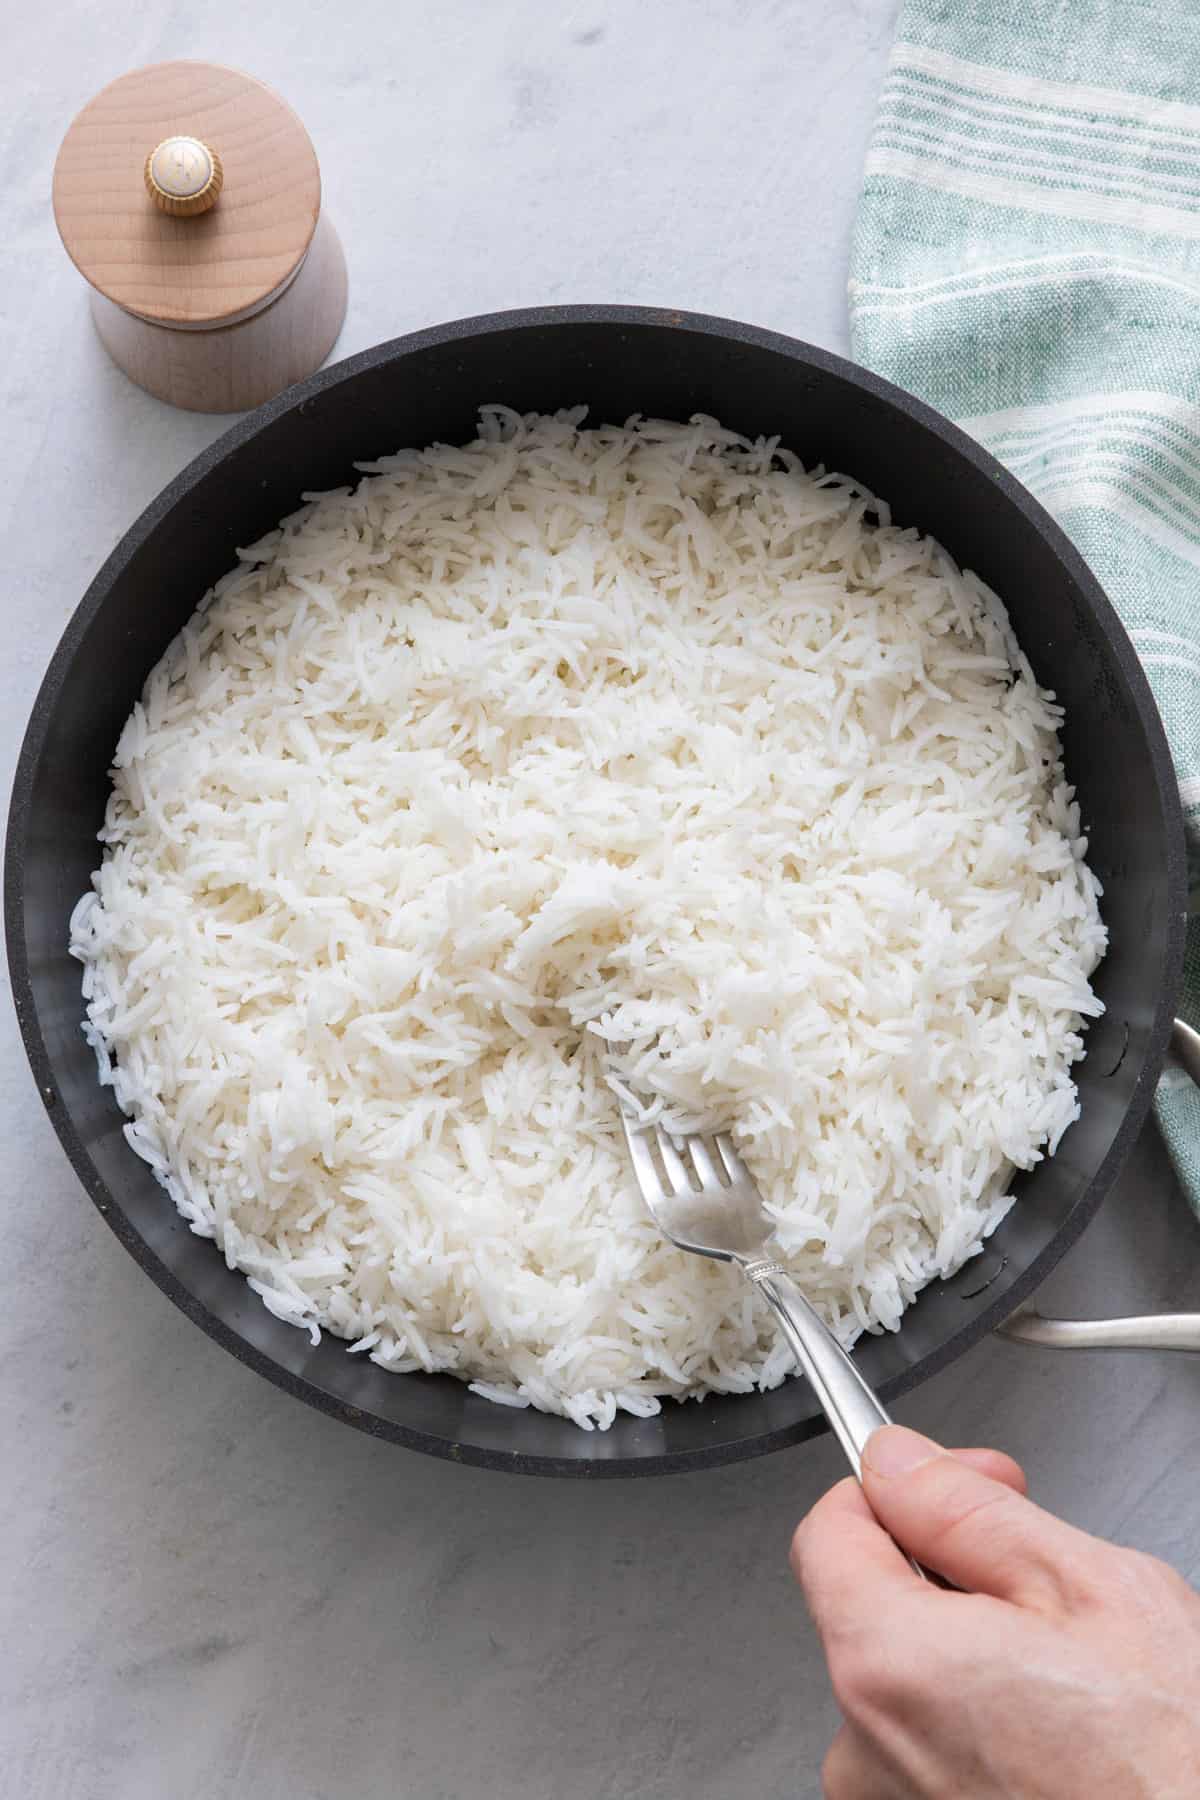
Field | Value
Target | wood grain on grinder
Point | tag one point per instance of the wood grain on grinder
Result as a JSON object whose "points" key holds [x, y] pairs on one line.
{"points": [[210, 270]]}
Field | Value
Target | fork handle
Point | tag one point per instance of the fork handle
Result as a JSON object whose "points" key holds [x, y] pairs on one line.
{"points": [[850, 1405]]}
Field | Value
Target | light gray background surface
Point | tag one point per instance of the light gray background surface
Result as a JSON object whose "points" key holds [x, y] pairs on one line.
{"points": [[206, 1589]]}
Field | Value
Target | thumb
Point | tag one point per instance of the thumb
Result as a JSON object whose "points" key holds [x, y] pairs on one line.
{"points": [[979, 1533]]}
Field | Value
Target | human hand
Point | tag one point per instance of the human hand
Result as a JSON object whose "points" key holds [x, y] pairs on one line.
{"points": [[1068, 1669]]}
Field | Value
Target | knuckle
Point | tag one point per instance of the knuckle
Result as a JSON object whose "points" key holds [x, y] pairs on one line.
{"points": [[1127, 1569], [991, 1512], [866, 1679], [1144, 1579]]}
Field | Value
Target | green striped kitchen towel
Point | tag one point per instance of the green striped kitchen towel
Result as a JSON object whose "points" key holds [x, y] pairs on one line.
{"points": [[1027, 259]]}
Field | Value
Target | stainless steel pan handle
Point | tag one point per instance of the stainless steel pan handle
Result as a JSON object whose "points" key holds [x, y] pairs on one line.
{"points": [[1157, 1331], [1185, 1048], [1161, 1331]]}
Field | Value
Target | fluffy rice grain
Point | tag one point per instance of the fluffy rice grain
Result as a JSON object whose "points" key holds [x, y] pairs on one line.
{"points": [[637, 735]]}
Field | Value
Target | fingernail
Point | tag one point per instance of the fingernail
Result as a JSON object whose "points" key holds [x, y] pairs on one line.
{"points": [[895, 1450]]}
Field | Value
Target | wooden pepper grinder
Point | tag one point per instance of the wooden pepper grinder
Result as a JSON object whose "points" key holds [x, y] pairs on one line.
{"points": [[189, 196]]}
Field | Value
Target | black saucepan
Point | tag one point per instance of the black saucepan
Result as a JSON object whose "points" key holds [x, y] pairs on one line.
{"points": [[620, 361]]}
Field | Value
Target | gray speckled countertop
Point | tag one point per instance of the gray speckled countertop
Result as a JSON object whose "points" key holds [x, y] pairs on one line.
{"points": [[208, 1590]]}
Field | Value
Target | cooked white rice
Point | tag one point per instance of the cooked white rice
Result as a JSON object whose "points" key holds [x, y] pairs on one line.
{"points": [[637, 734]]}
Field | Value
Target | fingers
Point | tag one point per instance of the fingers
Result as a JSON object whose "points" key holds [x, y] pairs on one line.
{"points": [[996, 1464], [844, 1562], [842, 1527], [969, 1523], [840, 1548]]}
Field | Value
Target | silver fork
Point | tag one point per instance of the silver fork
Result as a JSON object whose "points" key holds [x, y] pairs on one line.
{"points": [[710, 1205]]}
